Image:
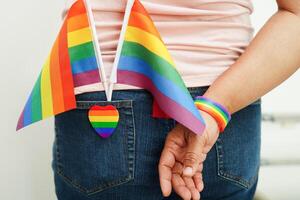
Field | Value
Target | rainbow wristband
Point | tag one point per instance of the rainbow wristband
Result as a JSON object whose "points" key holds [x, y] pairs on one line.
{"points": [[216, 110]]}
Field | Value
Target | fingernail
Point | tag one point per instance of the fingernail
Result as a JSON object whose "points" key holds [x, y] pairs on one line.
{"points": [[188, 171]]}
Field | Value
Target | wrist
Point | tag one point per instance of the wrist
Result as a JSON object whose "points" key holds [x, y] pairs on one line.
{"points": [[222, 98], [211, 123], [217, 111]]}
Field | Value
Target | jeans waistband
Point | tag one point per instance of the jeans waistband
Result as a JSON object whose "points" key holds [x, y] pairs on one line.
{"points": [[136, 94], [129, 94]]}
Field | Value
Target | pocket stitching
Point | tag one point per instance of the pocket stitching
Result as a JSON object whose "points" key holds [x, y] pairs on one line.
{"points": [[103, 186], [230, 177], [131, 162], [117, 103], [97, 189]]}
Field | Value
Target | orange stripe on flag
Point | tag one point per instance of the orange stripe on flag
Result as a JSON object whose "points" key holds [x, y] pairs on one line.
{"points": [[143, 22], [66, 70], [78, 22], [77, 8], [103, 112], [56, 82]]}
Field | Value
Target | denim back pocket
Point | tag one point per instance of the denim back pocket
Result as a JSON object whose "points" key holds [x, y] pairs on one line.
{"points": [[85, 160], [238, 147]]}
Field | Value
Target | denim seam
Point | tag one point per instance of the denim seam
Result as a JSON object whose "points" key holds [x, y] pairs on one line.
{"points": [[118, 104], [101, 187], [132, 160], [96, 190], [57, 156], [126, 146], [236, 179], [239, 180]]}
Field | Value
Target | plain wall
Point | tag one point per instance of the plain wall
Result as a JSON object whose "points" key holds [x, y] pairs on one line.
{"points": [[28, 29]]}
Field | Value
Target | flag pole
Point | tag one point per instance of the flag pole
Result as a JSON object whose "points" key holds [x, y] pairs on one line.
{"points": [[113, 76], [97, 47]]}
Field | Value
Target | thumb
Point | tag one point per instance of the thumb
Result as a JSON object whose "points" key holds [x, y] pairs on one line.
{"points": [[194, 155]]}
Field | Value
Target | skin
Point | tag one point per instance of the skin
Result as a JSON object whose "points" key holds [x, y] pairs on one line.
{"points": [[271, 57]]}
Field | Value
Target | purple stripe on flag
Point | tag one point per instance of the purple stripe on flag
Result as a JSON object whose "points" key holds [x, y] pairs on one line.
{"points": [[105, 135], [170, 107], [20, 121], [86, 78]]}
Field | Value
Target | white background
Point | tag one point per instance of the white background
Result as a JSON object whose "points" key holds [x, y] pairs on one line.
{"points": [[28, 29]]}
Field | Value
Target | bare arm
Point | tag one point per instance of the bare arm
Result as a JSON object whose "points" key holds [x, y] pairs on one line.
{"points": [[272, 56]]}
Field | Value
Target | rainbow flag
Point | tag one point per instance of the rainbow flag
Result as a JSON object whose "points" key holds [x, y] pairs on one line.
{"points": [[71, 63], [145, 62]]}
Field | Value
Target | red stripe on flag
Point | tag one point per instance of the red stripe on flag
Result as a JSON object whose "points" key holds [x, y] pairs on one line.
{"points": [[65, 69], [139, 21], [138, 7], [157, 112], [56, 82], [77, 8]]}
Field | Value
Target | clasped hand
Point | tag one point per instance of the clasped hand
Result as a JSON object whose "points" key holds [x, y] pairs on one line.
{"points": [[181, 162]]}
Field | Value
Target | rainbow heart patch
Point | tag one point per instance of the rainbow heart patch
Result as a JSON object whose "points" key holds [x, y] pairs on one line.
{"points": [[104, 119]]}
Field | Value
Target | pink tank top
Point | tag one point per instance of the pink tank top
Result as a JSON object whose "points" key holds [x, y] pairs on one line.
{"points": [[204, 37]]}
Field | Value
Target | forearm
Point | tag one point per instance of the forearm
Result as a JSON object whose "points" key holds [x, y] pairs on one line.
{"points": [[271, 57]]}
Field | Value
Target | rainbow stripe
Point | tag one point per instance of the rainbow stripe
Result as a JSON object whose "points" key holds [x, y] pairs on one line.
{"points": [[104, 119], [71, 63], [216, 110], [81, 48], [145, 62]]}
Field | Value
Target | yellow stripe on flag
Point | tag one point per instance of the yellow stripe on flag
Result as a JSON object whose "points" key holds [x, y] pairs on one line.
{"points": [[80, 36], [46, 94], [149, 41], [104, 118]]}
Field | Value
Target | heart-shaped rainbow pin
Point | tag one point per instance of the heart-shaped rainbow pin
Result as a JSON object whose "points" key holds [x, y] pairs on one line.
{"points": [[104, 119]]}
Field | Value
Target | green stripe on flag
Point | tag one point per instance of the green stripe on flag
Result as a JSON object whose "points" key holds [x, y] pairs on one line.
{"points": [[82, 51], [36, 104], [157, 63], [104, 124]]}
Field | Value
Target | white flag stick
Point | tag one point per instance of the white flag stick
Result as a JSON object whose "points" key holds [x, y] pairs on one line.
{"points": [[113, 76], [97, 47]]}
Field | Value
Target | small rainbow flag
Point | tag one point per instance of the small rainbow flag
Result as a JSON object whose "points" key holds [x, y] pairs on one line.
{"points": [[145, 62], [71, 63]]}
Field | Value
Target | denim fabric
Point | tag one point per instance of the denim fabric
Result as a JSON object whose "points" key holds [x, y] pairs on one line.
{"points": [[124, 166]]}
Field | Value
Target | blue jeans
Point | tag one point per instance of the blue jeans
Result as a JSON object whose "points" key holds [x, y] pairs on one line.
{"points": [[125, 165]]}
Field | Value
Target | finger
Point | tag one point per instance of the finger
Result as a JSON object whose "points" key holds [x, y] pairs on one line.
{"points": [[198, 178], [166, 163], [191, 186], [200, 167], [193, 156], [177, 169], [180, 187], [198, 181]]}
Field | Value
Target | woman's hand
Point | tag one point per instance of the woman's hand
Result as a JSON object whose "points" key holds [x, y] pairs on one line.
{"points": [[181, 162]]}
